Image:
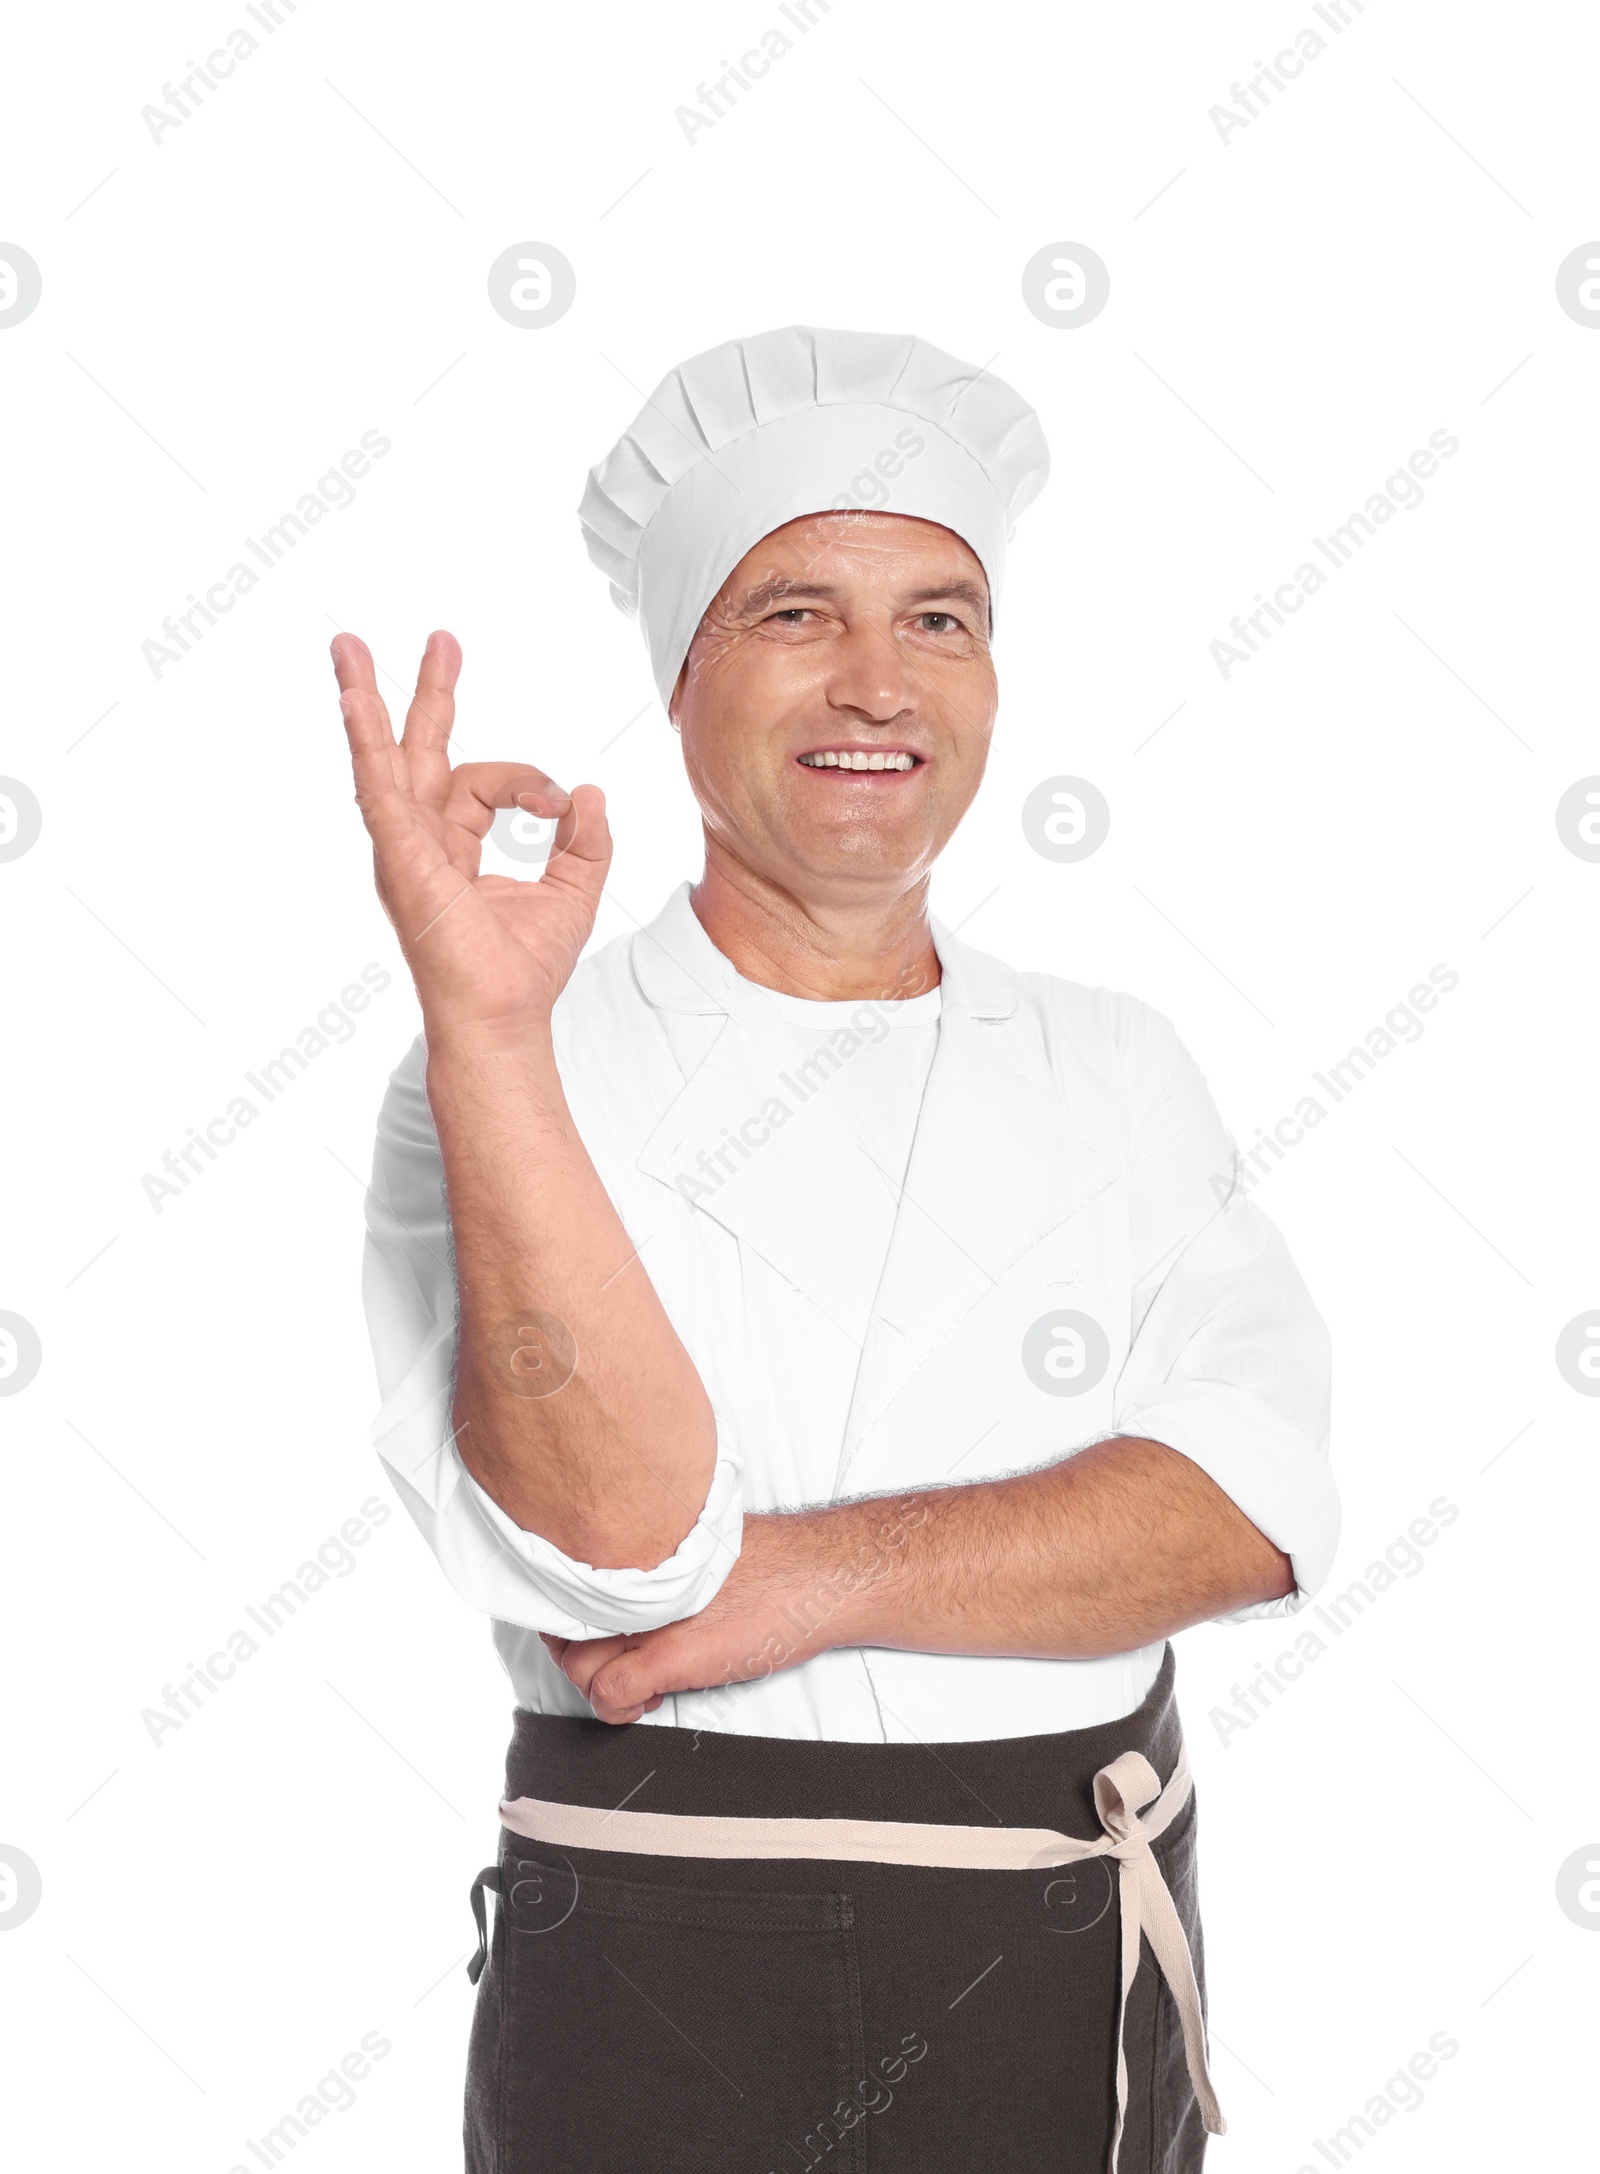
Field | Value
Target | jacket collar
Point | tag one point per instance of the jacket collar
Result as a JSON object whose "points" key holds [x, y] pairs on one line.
{"points": [[679, 969], [677, 966]]}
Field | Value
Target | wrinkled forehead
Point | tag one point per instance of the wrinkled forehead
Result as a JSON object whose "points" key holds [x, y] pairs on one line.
{"points": [[892, 558]]}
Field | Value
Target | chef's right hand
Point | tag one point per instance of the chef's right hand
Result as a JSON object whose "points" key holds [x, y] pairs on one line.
{"points": [[489, 954]]}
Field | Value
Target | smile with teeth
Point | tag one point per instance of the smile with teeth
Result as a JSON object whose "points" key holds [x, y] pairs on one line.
{"points": [[845, 758]]}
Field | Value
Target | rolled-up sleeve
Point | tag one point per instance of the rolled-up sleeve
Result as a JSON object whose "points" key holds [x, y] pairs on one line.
{"points": [[1229, 1361], [409, 1292]]}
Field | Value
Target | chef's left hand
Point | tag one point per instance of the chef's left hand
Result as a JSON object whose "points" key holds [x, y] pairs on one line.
{"points": [[792, 1593]]}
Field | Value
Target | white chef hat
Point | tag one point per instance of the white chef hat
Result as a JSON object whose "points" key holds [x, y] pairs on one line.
{"points": [[754, 433]]}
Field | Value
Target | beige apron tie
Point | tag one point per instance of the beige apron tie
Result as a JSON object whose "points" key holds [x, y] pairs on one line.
{"points": [[1121, 1792]]}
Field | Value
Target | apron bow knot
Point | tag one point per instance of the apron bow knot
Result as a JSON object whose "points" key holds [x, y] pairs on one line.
{"points": [[1121, 1792]]}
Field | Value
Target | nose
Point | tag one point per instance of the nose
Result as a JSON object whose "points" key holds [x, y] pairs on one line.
{"points": [[869, 680]]}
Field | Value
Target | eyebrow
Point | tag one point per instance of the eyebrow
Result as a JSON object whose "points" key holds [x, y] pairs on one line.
{"points": [[784, 587]]}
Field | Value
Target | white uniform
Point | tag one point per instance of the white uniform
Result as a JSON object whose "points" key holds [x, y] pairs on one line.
{"points": [[904, 1243]]}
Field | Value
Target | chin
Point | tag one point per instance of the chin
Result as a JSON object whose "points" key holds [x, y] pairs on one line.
{"points": [[860, 853]]}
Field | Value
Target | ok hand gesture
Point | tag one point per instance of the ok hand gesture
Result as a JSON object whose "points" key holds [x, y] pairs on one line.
{"points": [[488, 954]]}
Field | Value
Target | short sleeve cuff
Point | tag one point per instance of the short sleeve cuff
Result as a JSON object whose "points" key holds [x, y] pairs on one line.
{"points": [[1278, 1478], [598, 1603]]}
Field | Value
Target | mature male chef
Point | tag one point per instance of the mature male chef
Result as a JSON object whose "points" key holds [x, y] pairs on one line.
{"points": [[820, 1349]]}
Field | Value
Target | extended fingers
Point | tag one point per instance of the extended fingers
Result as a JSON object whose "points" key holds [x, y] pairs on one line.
{"points": [[377, 762], [366, 721], [431, 717], [352, 665]]}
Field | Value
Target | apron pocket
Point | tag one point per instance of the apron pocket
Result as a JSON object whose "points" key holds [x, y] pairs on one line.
{"points": [[673, 2027]]}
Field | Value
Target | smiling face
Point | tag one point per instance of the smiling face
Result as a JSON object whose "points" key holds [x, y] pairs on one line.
{"points": [[837, 702]]}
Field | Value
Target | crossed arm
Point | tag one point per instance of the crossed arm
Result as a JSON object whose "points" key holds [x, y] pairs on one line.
{"points": [[1116, 1546]]}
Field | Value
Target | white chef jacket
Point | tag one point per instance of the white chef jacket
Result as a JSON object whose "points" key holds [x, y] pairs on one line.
{"points": [[860, 1131], [1062, 1161]]}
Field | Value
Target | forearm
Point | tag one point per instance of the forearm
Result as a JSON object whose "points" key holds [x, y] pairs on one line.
{"points": [[590, 1427], [1111, 1549]]}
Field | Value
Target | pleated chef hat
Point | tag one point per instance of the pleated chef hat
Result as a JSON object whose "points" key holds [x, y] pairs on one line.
{"points": [[754, 433]]}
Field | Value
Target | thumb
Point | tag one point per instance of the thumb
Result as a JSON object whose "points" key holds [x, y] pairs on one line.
{"points": [[580, 852]]}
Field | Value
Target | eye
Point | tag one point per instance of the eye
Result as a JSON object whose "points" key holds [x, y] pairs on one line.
{"points": [[791, 615], [946, 620]]}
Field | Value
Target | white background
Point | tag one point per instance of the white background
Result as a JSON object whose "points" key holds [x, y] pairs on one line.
{"points": [[1291, 314]]}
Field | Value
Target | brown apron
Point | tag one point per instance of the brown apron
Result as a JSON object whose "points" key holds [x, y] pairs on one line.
{"points": [[718, 1952]]}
